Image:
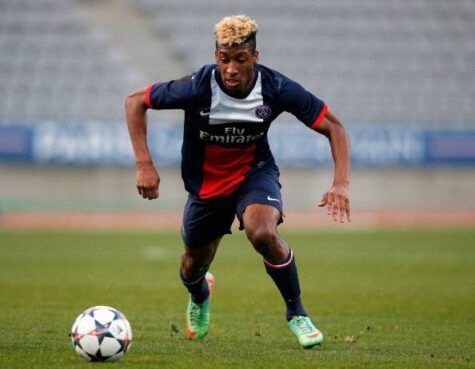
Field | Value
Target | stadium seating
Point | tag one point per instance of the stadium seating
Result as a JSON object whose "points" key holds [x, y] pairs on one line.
{"points": [[409, 61], [380, 62], [56, 65]]}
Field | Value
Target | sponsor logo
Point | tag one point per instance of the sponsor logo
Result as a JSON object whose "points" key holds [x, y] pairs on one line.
{"points": [[272, 199], [206, 113], [230, 138], [263, 112]]}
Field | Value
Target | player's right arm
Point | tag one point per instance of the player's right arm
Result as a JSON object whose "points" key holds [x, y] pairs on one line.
{"points": [[148, 178]]}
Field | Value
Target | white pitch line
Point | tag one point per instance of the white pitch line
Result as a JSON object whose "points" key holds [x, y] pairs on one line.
{"points": [[154, 252]]}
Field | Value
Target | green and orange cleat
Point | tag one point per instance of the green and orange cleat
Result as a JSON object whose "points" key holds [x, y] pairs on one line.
{"points": [[305, 331], [197, 315]]}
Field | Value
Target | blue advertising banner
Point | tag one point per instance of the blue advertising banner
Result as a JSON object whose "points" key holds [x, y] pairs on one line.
{"points": [[82, 144], [16, 144], [450, 147], [293, 145]]}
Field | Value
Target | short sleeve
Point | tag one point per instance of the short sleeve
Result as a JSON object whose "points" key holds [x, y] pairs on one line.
{"points": [[176, 94], [306, 107]]}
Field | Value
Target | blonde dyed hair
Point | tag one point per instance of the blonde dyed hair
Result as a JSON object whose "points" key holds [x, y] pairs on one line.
{"points": [[234, 30]]}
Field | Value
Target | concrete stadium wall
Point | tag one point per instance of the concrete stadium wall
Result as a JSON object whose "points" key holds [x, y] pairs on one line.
{"points": [[56, 189]]}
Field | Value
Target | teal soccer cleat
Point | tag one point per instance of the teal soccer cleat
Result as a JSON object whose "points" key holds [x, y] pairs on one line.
{"points": [[197, 315], [305, 331]]}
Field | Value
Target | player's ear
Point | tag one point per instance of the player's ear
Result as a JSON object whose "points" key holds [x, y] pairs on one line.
{"points": [[255, 56], [216, 55]]}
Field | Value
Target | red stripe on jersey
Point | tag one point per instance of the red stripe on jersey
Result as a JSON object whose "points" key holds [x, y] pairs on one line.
{"points": [[224, 169], [320, 117], [147, 96]]}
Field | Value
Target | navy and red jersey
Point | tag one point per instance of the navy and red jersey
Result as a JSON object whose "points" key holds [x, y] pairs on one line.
{"points": [[225, 138]]}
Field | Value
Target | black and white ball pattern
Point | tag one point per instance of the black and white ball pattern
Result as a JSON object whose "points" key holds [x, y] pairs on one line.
{"points": [[101, 333]]}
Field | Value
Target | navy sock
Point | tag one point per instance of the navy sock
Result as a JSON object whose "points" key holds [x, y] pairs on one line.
{"points": [[286, 278], [198, 289]]}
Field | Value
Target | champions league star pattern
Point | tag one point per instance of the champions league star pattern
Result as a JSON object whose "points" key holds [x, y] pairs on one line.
{"points": [[225, 138], [101, 333]]}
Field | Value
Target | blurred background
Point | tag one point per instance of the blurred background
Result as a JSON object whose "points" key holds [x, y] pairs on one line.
{"points": [[399, 74]]}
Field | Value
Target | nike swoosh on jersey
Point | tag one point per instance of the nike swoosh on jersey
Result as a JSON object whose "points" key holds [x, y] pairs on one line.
{"points": [[206, 113], [272, 199]]}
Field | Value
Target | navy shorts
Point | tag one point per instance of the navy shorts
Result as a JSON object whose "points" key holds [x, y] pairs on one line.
{"points": [[205, 220]]}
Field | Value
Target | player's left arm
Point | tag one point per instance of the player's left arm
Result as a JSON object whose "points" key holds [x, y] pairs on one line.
{"points": [[337, 198]]}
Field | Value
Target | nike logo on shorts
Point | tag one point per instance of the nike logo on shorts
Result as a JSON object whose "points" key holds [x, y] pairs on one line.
{"points": [[272, 199]]}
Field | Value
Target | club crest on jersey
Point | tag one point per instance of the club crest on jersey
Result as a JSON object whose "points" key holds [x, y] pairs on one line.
{"points": [[263, 112]]}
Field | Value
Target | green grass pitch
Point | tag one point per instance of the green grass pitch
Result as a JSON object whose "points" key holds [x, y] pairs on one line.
{"points": [[392, 299]]}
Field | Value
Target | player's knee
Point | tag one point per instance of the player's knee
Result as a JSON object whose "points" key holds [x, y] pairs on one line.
{"points": [[262, 238], [193, 266]]}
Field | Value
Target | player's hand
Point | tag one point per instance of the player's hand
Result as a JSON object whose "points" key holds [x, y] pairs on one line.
{"points": [[147, 180], [337, 201]]}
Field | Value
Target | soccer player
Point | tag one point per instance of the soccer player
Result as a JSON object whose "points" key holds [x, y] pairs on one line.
{"points": [[228, 168]]}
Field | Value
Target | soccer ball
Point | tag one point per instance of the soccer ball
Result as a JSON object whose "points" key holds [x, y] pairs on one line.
{"points": [[101, 333]]}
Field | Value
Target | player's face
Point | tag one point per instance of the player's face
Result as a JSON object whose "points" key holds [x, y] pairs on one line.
{"points": [[236, 65]]}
